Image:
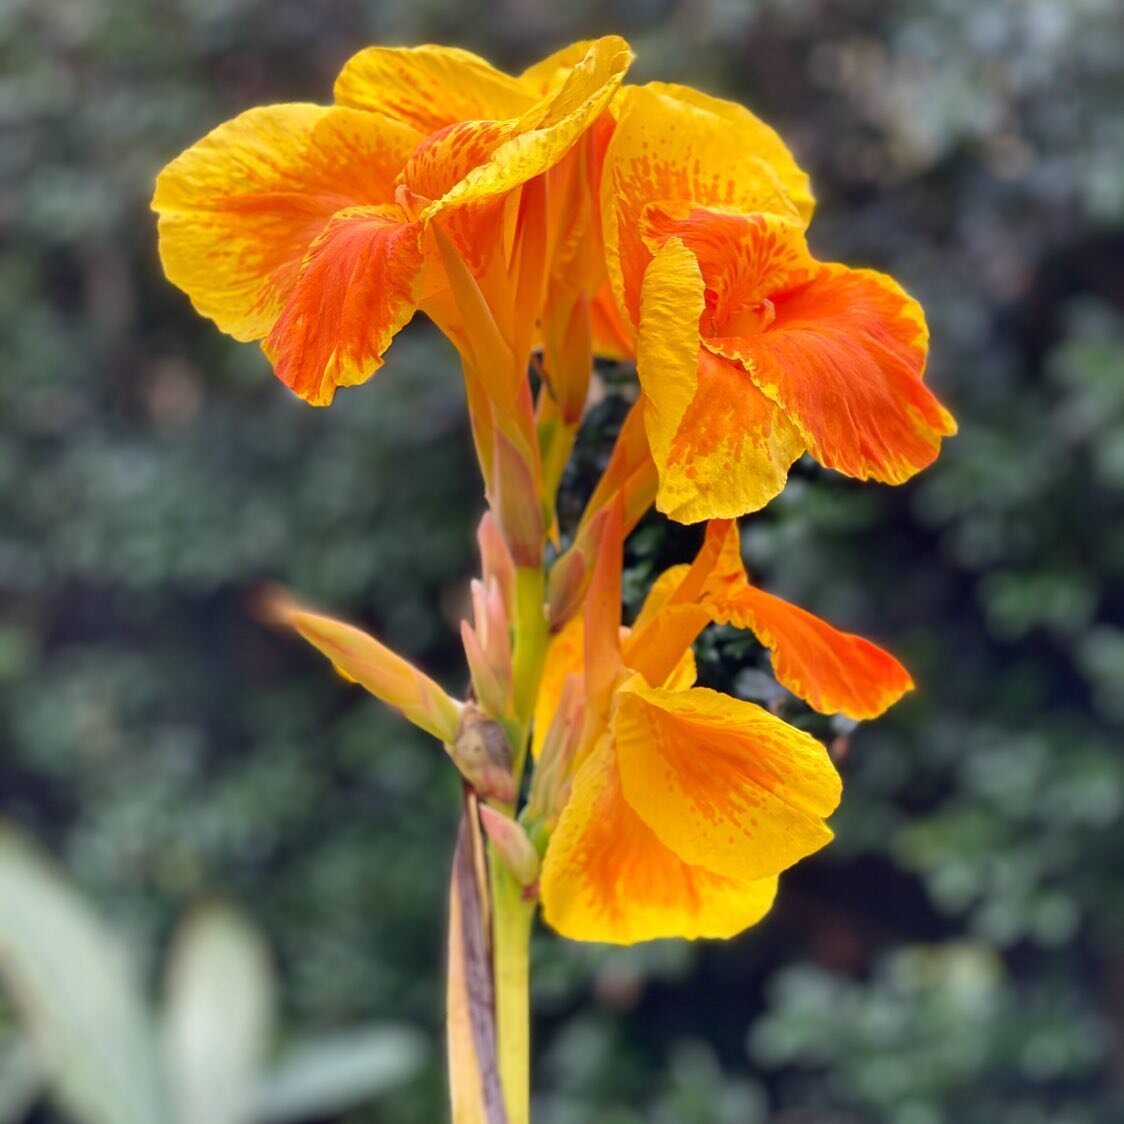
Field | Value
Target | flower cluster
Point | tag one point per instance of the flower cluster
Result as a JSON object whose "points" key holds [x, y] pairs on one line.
{"points": [[541, 221]]}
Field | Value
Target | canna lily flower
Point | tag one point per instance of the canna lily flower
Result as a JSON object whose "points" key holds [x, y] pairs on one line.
{"points": [[683, 805], [320, 230], [749, 350]]}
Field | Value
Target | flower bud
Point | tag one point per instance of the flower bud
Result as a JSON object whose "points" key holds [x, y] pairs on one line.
{"points": [[513, 844], [515, 501], [496, 560], [483, 756]]}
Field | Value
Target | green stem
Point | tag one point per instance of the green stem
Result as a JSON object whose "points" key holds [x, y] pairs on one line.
{"points": [[511, 940], [531, 638]]}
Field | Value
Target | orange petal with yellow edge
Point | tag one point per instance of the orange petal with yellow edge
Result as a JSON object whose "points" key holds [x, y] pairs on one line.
{"points": [[670, 144], [721, 447], [241, 207], [355, 292], [724, 784], [843, 355], [608, 877], [429, 87], [832, 671]]}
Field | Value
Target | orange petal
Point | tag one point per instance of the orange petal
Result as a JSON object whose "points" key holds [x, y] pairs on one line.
{"points": [[564, 657], [608, 877], [724, 784], [658, 645], [355, 292], [671, 144], [832, 671], [602, 614], [430, 87], [844, 355], [362, 659], [744, 260], [239, 209], [720, 446], [612, 337]]}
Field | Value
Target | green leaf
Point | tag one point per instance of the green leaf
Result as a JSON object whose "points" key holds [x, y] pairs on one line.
{"points": [[337, 1071], [21, 1081], [218, 1017], [75, 994]]}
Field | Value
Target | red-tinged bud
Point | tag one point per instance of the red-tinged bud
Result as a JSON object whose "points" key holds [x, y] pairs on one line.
{"points": [[571, 574], [513, 844], [516, 502], [550, 784], [568, 579], [492, 694], [482, 754], [496, 559], [363, 660]]}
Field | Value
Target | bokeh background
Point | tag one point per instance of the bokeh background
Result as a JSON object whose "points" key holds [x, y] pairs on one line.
{"points": [[956, 954]]}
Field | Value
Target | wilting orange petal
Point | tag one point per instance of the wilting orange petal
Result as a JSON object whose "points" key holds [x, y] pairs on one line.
{"points": [[723, 783], [832, 671], [430, 87], [362, 659], [721, 447], [240, 208], [671, 143], [354, 293], [843, 356], [608, 877]]}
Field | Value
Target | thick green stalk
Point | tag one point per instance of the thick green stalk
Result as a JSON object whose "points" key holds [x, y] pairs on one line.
{"points": [[511, 940], [531, 638]]}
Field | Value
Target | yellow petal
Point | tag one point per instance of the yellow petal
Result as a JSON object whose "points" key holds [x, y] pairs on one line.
{"points": [[430, 87], [724, 784], [720, 446], [547, 130], [608, 877], [674, 144], [240, 208]]}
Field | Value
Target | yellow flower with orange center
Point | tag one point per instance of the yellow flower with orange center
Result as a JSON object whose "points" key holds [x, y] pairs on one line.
{"points": [[750, 351]]}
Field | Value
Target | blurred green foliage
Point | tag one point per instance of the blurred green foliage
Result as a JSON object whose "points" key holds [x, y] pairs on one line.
{"points": [[955, 955]]}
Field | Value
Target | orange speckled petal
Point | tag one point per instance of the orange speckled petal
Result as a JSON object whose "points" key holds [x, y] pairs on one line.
{"points": [[672, 144], [724, 784], [843, 356], [608, 877], [721, 447], [430, 87], [355, 292], [832, 671], [240, 208]]}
